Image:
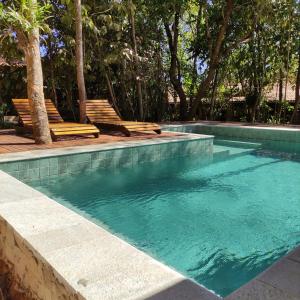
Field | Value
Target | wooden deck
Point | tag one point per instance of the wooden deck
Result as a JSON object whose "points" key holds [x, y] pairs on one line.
{"points": [[10, 142]]}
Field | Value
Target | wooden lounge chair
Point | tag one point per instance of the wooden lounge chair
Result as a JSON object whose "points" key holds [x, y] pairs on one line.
{"points": [[57, 125], [102, 114]]}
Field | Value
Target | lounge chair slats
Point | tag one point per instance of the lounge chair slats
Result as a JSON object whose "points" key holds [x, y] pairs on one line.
{"points": [[102, 114], [56, 123]]}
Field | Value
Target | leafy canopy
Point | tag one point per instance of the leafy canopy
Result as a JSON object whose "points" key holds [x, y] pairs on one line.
{"points": [[25, 15]]}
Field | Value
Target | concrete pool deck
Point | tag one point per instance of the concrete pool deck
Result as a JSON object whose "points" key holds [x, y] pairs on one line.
{"points": [[69, 256]]}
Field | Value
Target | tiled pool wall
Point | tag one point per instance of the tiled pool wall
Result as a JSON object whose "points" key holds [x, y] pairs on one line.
{"points": [[244, 132], [278, 139], [47, 167]]}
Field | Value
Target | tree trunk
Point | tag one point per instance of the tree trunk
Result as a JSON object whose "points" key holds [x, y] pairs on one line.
{"points": [[194, 70], [69, 89], [111, 92], [162, 101], [213, 97], [136, 62], [297, 92], [79, 63], [280, 94], [127, 107], [214, 59], [35, 89], [53, 86], [174, 71], [51, 67], [258, 67]]}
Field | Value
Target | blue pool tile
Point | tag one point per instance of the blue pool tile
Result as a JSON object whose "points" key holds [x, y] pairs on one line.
{"points": [[34, 174], [44, 162], [24, 174], [95, 156], [44, 172], [79, 158], [78, 167], [28, 164], [53, 170], [9, 167], [124, 162]]}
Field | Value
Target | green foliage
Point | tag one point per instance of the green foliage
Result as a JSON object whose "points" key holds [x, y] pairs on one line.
{"points": [[259, 47], [3, 110], [26, 15]]}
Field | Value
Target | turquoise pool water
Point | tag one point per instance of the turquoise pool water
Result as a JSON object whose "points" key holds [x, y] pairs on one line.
{"points": [[220, 223]]}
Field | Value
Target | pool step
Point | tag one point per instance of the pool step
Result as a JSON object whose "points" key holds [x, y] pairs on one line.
{"points": [[224, 152], [220, 152], [239, 144], [239, 151]]}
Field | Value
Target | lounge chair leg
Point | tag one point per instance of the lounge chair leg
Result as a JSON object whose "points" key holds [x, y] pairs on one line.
{"points": [[125, 131], [158, 131], [22, 130]]}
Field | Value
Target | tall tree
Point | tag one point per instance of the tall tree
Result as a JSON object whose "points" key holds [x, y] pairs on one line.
{"points": [[215, 52], [175, 68], [136, 61], [297, 91], [208, 51], [80, 62], [26, 20]]}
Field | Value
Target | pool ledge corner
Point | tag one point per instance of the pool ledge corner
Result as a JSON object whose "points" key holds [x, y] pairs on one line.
{"points": [[64, 255]]}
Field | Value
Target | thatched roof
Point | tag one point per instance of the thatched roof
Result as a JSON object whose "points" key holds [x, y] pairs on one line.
{"points": [[11, 63]]}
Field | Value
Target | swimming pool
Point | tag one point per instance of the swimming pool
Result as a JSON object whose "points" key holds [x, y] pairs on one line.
{"points": [[220, 223]]}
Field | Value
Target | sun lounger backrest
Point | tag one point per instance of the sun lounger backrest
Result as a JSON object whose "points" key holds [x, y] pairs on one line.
{"points": [[53, 114], [23, 108], [101, 111]]}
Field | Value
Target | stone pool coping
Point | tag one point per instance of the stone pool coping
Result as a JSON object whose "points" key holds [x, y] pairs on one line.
{"points": [[70, 256], [257, 132], [86, 261], [234, 124]]}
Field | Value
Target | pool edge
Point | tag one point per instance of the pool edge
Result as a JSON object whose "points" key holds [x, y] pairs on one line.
{"points": [[267, 284], [279, 281], [116, 269]]}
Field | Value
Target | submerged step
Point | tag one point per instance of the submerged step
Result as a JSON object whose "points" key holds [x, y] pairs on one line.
{"points": [[238, 144], [240, 151], [222, 152]]}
